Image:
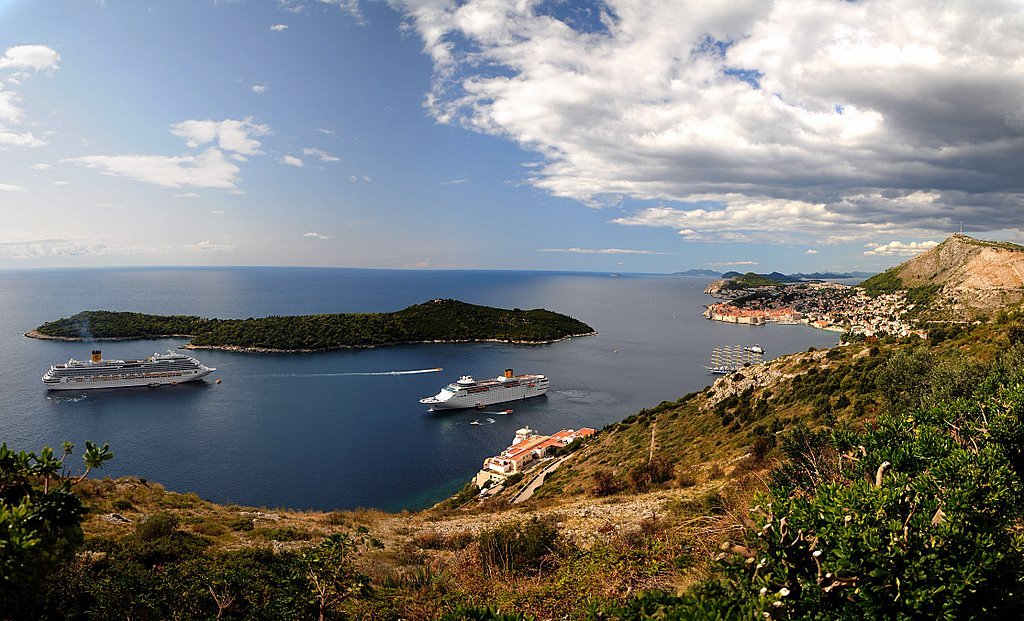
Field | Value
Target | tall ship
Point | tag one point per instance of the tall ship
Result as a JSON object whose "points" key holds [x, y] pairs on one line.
{"points": [[155, 370], [469, 393], [725, 360]]}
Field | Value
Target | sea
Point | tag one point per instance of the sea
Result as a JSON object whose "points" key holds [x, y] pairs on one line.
{"points": [[345, 429]]}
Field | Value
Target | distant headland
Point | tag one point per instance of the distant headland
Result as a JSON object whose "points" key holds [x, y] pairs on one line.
{"points": [[444, 321]]}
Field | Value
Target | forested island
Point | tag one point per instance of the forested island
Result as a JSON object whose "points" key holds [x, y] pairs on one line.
{"points": [[436, 320]]}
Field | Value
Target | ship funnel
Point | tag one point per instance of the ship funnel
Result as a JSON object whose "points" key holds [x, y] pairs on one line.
{"points": [[508, 373], [96, 356]]}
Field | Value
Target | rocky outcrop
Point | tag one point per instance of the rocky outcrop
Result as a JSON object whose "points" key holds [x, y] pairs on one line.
{"points": [[716, 287]]}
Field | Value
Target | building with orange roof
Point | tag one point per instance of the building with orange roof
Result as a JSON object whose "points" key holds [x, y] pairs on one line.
{"points": [[526, 447]]}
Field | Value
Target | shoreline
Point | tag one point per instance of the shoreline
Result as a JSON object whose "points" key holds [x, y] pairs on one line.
{"points": [[33, 334]]}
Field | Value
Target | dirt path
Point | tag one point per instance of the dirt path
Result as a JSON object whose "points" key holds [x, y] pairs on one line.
{"points": [[538, 480], [654, 445]]}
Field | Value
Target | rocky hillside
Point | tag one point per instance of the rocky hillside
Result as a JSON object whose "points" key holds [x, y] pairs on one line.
{"points": [[961, 277]]}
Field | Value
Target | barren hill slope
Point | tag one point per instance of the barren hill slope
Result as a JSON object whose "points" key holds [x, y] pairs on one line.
{"points": [[968, 275]]}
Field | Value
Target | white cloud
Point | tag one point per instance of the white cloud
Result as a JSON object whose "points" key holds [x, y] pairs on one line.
{"points": [[811, 251], [292, 6], [24, 60], [230, 134], [733, 263], [218, 212], [34, 57], [186, 195], [316, 235], [327, 132], [601, 251], [209, 169], [208, 246], [324, 156], [14, 139], [41, 166], [58, 247], [454, 182], [8, 187], [279, 27], [900, 249], [71, 247], [864, 118], [259, 88], [348, 6], [291, 160]]}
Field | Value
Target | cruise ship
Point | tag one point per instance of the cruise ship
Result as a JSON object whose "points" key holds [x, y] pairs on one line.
{"points": [[469, 393], [156, 370]]}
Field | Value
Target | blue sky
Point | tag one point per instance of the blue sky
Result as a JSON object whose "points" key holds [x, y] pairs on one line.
{"points": [[624, 135]]}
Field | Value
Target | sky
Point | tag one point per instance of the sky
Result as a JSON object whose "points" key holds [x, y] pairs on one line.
{"points": [[617, 135]]}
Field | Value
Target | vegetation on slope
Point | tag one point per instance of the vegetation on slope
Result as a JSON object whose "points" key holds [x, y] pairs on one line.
{"points": [[437, 320], [989, 244], [917, 515], [749, 281], [785, 466], [889, 282]]}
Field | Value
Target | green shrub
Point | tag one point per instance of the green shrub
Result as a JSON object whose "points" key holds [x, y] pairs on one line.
{"points": [[518, 547], [156, 525], [241, 524], [123, 504], [605, 483], [286, 533]]}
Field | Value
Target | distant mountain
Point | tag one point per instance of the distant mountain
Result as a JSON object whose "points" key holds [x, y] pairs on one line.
{"points": [[961, 277], [700, 273], [779, 277]]}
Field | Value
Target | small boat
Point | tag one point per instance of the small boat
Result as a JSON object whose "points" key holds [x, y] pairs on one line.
{"points": [[476, 422], [755, 349], [506, 411]]}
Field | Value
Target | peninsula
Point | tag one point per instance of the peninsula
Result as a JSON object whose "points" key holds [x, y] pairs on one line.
{"points": [[433, 321]]}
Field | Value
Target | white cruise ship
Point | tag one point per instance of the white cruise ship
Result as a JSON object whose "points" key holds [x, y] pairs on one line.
{"points": [[158, 369], [469, 393]]}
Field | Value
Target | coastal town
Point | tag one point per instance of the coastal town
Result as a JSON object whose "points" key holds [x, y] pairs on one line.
{"points": [[824, 305]]}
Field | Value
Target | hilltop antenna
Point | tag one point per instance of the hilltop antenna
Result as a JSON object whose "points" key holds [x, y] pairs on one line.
{"points": [[961, 227]]}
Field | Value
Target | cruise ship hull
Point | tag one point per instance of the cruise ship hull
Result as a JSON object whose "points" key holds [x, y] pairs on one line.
{"points": [[69, 383], [156, 370], [458, 396]]}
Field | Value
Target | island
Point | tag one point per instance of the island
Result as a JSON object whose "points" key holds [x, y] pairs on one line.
{"points": [[449, 321]]}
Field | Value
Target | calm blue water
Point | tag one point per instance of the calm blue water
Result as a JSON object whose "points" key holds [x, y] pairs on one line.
{"points": [[307, 430]]}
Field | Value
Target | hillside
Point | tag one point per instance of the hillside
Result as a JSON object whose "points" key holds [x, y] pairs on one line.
{"points": [[436, 320], [864, 462], [959, 278]]}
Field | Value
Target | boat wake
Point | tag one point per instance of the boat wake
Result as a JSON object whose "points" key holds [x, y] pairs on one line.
{"points": [[74, 399], [352, 373]]}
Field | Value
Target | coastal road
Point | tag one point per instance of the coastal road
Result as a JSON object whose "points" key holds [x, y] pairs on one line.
{"points": [[538, 480]]}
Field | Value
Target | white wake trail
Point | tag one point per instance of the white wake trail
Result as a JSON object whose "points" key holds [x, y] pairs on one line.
{"points": [[353, 373]]}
